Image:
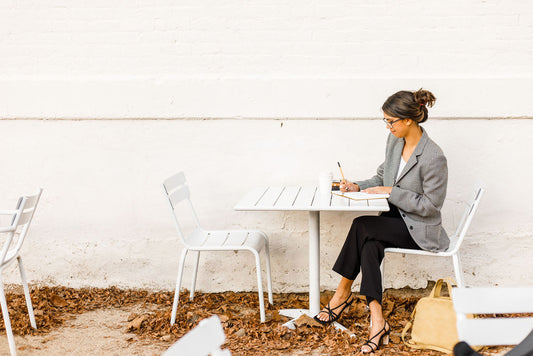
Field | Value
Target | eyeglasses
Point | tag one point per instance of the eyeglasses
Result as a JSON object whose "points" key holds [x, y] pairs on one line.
{"points": [[390, 123]]}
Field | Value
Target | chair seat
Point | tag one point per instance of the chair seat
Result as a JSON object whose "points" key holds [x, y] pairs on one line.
{"points": [[225, 240], [455, 240], [419, 252]]}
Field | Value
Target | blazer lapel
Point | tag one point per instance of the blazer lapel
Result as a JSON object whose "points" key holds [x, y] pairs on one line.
{"points": [[413, 160], [395, 162]]}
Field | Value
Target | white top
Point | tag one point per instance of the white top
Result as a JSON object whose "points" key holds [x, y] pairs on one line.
{"points": [[400, 168]]}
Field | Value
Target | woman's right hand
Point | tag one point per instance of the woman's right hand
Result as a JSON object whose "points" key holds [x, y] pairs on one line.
{"points": [[347, 186]]}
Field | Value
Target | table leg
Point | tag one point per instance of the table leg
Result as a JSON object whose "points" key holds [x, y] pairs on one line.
{"points": [[314, 277], [314, 273], [314, 262]]}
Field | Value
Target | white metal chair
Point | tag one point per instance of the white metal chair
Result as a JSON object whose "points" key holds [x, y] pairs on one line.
{"points": [[497, 300], [455, 241], [177, 191], [15, 234], [205, 339]]}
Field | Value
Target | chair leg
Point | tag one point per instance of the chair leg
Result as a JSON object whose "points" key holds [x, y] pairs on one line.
{"points": [[269, 278], [260, 286], [382, 269], [194, 274], [178, 286], [26, 293], [7, 322], [458, 270]]}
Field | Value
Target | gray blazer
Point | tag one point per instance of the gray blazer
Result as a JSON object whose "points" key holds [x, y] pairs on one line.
{"points": [[419, 191]]}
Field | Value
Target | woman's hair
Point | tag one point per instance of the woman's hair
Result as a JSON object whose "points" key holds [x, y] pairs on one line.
{"points": [[409, 105]]}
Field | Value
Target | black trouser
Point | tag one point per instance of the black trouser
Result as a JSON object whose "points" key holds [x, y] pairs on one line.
{"points": [[364, 249]]}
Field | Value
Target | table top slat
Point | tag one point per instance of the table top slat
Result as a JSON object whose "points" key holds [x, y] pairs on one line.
{"points": [[305, 198], [318, 201], [288, 197], [270, 198], [340, 201], [251, 198]]}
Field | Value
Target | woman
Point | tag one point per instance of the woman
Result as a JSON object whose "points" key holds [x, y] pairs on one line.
{"points": [[415, 174]]}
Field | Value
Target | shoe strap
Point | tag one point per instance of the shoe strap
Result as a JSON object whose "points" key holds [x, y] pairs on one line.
{"points": [[369, 343], [331, 314], [340, 305], [380, 333]]}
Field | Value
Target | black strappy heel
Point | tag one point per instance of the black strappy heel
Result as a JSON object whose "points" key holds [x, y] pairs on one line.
{"points": [[383, 340], [332, 315]]}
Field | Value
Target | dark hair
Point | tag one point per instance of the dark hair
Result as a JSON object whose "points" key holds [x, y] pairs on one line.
{"points": [[409, 105]]}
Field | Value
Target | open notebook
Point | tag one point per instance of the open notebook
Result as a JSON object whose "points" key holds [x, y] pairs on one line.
{"points": [[361, 196]]}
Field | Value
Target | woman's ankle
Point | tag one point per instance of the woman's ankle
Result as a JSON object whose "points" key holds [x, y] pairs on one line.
{"points": [[342, 295]]}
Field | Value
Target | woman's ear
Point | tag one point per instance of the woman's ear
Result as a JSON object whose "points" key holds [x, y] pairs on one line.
{"points": [[408, 122]]}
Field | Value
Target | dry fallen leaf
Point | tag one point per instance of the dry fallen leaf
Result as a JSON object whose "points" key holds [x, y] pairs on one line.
{"points": [[136, 323], [58, 301], [306, 320]]}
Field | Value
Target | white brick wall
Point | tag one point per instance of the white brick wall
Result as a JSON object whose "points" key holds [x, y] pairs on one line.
{"points": [[241, 58], [102, 219]]}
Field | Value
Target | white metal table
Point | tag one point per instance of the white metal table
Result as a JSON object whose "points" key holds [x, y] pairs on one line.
{"points": [[302, 198]]}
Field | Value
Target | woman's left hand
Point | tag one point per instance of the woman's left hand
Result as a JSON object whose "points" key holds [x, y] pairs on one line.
{"points": [[378, 190]]}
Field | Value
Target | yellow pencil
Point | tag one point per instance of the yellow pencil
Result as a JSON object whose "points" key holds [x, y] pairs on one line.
{"points": [[342, 174]]}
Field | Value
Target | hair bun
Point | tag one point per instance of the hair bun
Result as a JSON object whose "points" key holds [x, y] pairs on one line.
{"points": [[424, 97]]}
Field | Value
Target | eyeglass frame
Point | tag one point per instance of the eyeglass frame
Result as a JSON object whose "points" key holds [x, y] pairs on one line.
{"points": [[390, 123]]}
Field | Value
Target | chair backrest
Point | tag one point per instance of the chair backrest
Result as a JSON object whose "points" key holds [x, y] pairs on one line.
{"points": [[495, 300], [466, 219], [176, 191], [20, 224], [205, 339]]}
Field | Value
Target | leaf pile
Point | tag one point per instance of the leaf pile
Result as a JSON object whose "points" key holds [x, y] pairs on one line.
{"points": [[239, 313]]}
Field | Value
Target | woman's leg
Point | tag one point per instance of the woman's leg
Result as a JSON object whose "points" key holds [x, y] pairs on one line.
{"points": [[387, 233], [371, 257], [342, 293], [347, 265], [382, 232], [365, 230], [378, 327]]}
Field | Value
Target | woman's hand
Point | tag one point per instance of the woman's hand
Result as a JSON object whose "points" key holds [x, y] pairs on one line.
{"points": [[347, 186], [378, 190]]}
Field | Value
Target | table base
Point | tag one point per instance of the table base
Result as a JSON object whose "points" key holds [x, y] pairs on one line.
{"points": [[296, 313]]}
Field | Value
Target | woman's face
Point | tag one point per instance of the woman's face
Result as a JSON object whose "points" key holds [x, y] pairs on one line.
{"points": [[398, 127]]}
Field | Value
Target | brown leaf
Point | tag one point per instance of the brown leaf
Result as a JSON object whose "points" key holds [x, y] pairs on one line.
{"points": [[306, 320], [58, 301], [132, 316], [38, 312], [276, 316], [395, 339], [136, 323], [388, 306], [166, 338]]}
